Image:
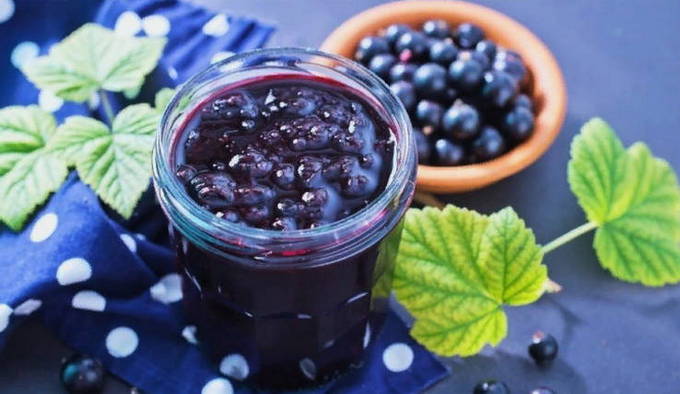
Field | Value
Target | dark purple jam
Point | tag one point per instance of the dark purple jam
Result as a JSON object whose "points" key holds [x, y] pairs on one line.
{"points": [[285, 154]]}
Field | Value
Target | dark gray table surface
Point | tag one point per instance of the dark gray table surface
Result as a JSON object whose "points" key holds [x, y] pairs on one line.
{"points": [[621, 62]]}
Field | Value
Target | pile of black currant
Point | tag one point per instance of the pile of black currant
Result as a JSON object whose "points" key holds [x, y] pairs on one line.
{"points": [[464, 93]]}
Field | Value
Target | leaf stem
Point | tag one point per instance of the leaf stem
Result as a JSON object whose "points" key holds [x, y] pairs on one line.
{"points": [[567, 237], [106, 104]]}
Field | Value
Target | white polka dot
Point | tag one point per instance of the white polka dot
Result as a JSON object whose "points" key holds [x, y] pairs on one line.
{"points": [[128, 24], [93, 102], [5, 312], [219, 56], [129, 242], [218, 386], [44, 227], [140, 236], [89, 300], [189, 333], [156, 25], [398, 357], [6, 10], [122, 342], [27, 307], [48, 101], [172, 73], [73, 270], [367, 335], [235, 366], [24, 52], [308, 368], [217, 26], [168, 289]]}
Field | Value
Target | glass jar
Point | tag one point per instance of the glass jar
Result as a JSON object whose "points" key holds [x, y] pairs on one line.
{"points": [[284, 309]]}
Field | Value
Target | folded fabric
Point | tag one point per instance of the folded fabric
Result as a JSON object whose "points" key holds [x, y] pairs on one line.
{"points": [[107, 286]]}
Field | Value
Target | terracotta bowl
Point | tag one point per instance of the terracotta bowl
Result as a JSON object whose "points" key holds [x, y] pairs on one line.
{"points": [[547, 87]]}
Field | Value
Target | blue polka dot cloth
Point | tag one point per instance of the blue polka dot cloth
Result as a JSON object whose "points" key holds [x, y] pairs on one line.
{"points": [[105, 285]]}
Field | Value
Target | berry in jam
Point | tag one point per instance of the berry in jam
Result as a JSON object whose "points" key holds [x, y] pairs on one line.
{"points": [[284, 153]]}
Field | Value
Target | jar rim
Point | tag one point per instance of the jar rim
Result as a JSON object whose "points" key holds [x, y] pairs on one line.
{"points": [[403, 158]]}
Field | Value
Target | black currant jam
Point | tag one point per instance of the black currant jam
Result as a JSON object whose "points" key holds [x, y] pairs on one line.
{"points": [[283, 153]]}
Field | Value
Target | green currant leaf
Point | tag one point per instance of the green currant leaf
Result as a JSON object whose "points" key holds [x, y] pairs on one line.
{"points": [[93, 58], [163, 98], [116, 163], [75, 137], [29, 172], [634, 198], [457, 268]]}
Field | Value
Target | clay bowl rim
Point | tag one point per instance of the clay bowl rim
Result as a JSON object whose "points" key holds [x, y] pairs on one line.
{"points": [[548, 90]]}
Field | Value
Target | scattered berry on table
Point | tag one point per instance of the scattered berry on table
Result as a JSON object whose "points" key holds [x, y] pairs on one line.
{"points": [[543, 348], [543, 390], [82, 375], [468, 97], [491, 387]]}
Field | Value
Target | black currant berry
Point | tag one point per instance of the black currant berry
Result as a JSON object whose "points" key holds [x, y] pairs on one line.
{"points": [[468, 35], [413, 41], [402, 72], [82, 375], [369, 47], [428, 115], [443, 52], [461, 121], [522, 100], [491, 387], [517, 124], [393, 32], [448, 153], [488, 145], [511, 65], [543, 348], [465, 74], [488, 48], [406, 94], [498, 88], [381, 64], [423, 147], [430, 81], [436, 28]]}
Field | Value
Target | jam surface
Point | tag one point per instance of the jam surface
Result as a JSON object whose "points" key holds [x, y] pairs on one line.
{"points": [[285, 153]]}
